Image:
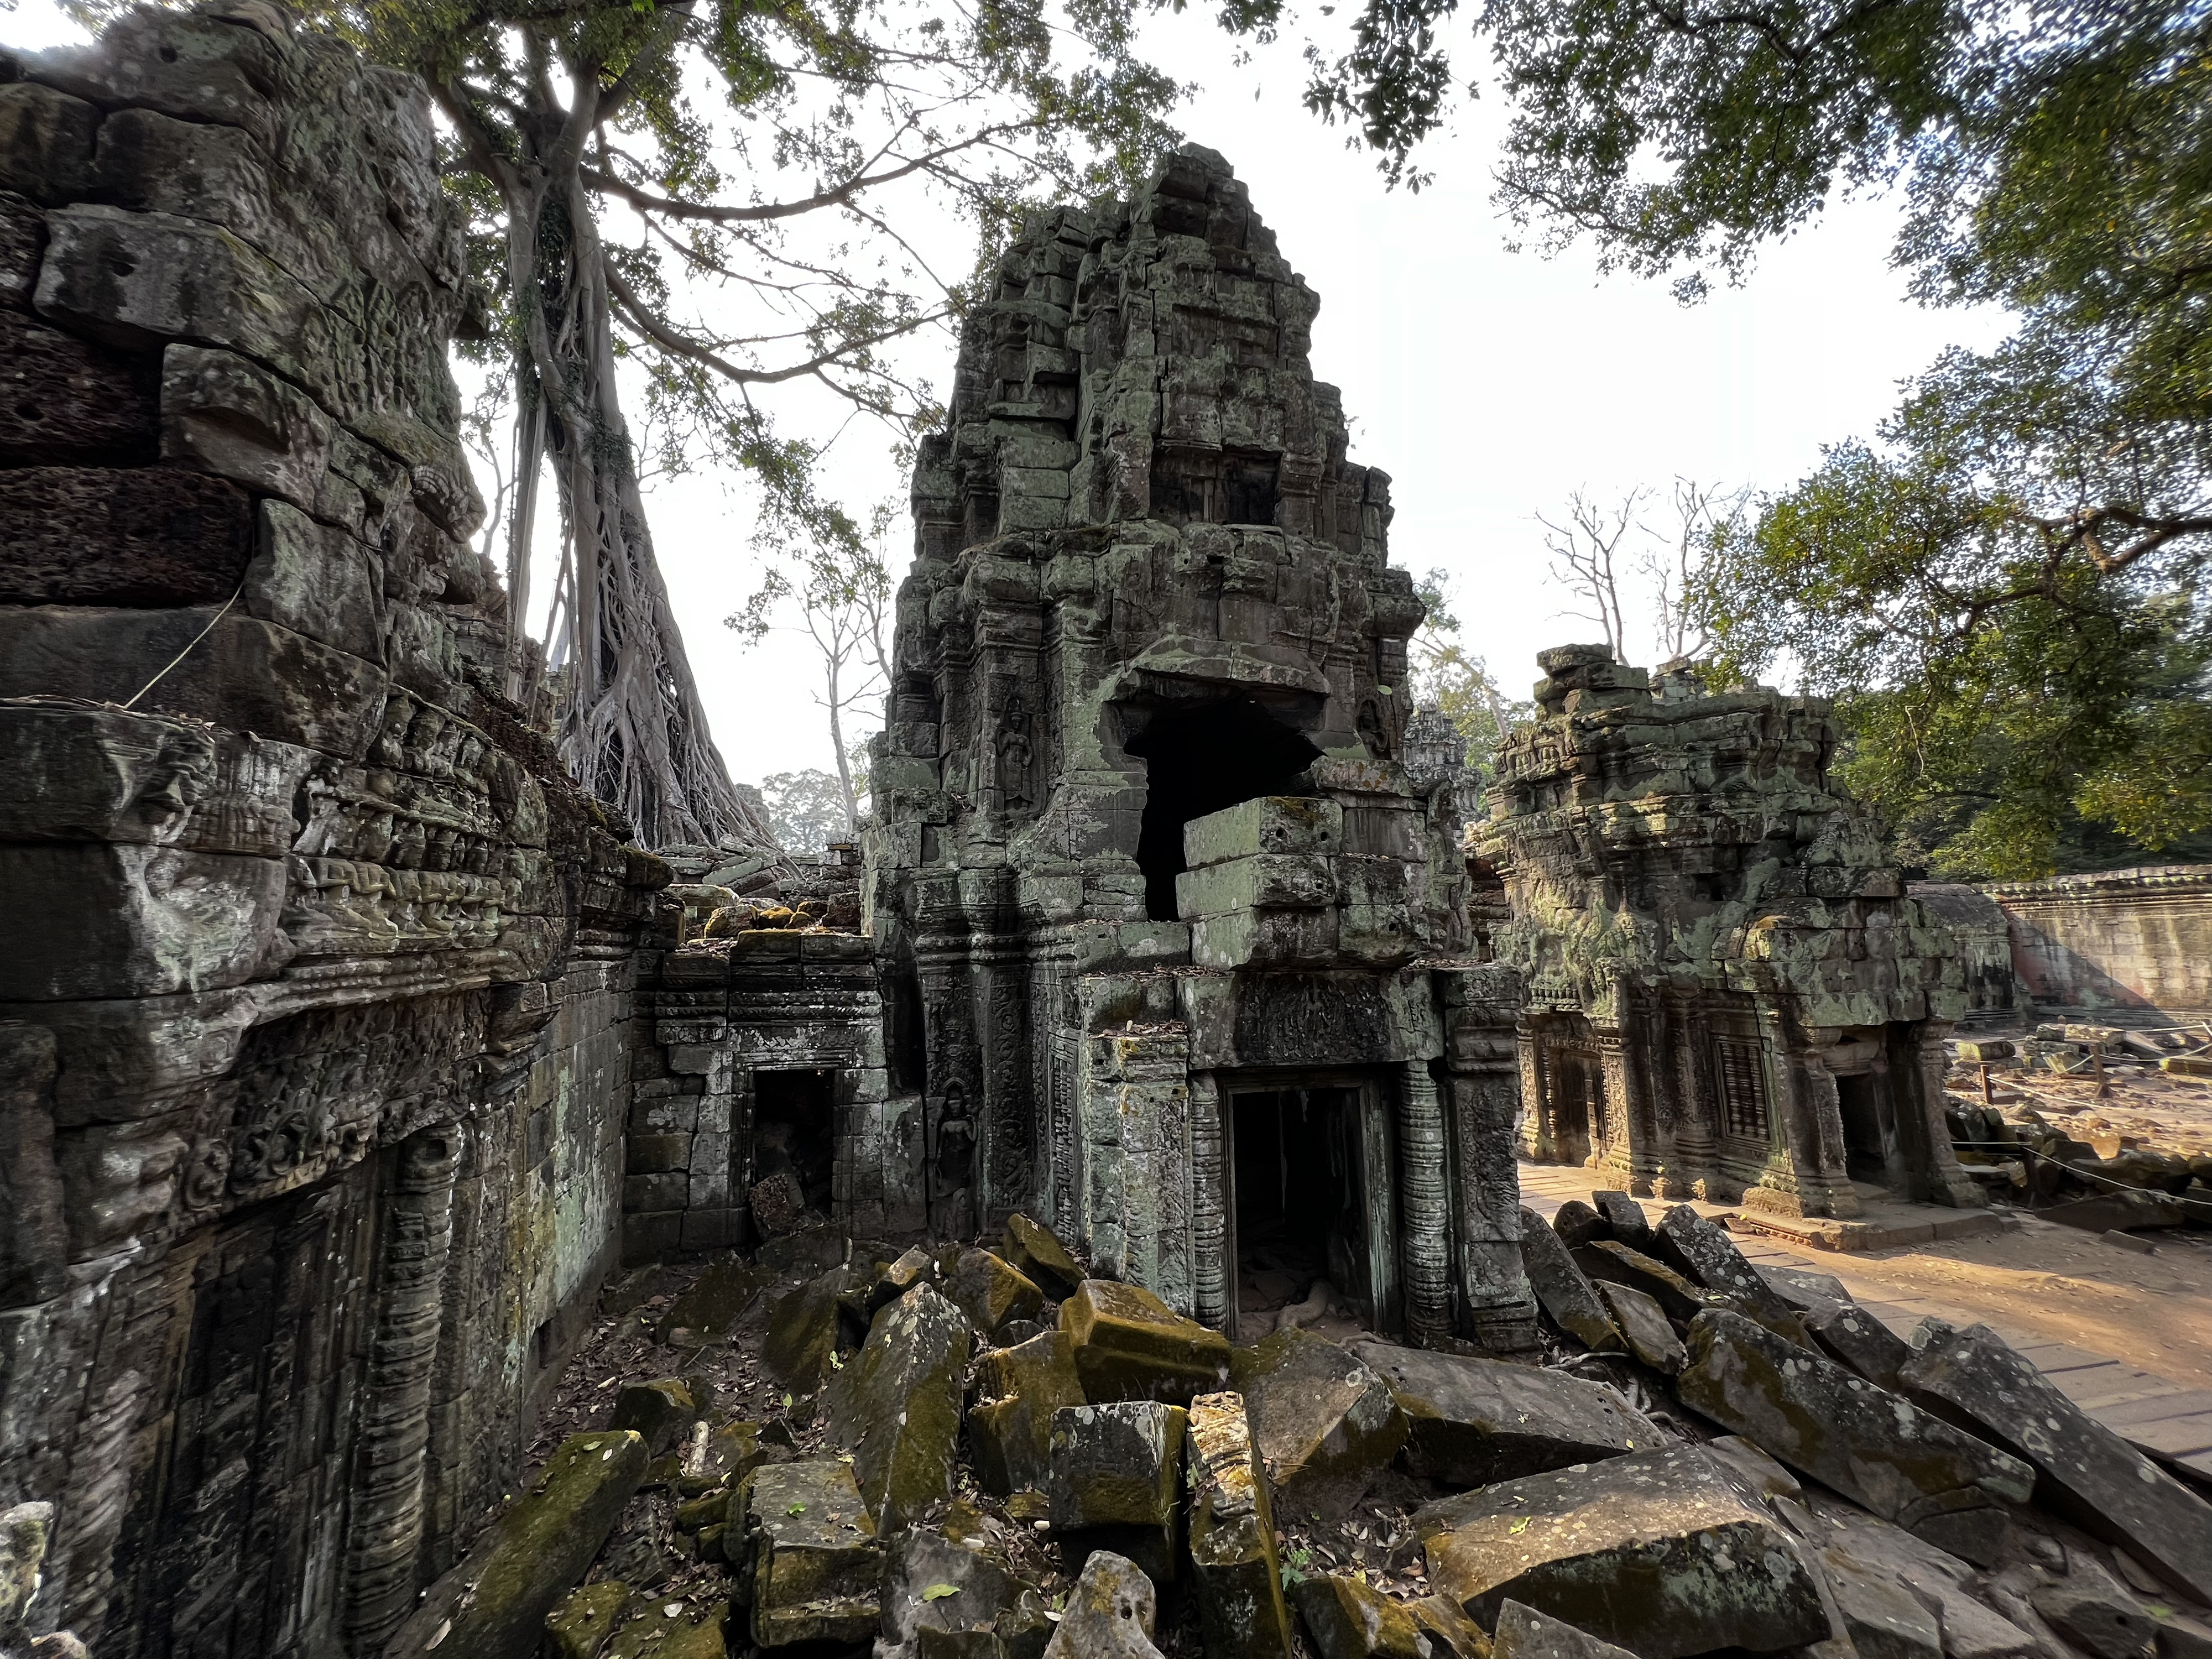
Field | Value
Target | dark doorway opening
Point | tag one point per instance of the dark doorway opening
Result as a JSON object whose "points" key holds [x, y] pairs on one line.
{"points": [[794, 1129], [1198, 761], [1869, 1138], [1577, 1105], [1301, 1201]]}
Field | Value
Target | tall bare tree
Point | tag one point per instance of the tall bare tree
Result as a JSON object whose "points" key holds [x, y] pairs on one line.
{"points": [[1585, 556]]}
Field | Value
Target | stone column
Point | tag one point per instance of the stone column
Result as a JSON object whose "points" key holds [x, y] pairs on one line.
{"points": [[1425, 1244], [1488, 1055], [1210, 1277], [386, 1530], [1619, 1155], [1943, 1179], [1536, 1140]]}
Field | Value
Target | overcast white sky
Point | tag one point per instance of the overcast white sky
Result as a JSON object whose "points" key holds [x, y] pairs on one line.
{"points": [[1489, 385]]}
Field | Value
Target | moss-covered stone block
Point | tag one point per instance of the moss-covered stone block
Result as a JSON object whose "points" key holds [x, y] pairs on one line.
{"points": [[1129, 1344], [716, 1300], [659, 1412], [660, 1628], [1110, 1613], [1018, 1389], [815, 1561], [1325, 1424], [1232, 1534], [1034, 1251], [897, 1406], [494, 1604], [1115, 1480], [991, 1292], [803, 1330], [1349, 1619], [581, 1624]]}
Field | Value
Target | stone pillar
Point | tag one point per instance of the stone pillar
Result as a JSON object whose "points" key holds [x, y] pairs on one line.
{"points": [[1617, 1158], [1696, 1101], [1535, 1126], [1489, 1056], [1918, 1088], [384, 1534], [1425, 1245], [1211, 1277]]}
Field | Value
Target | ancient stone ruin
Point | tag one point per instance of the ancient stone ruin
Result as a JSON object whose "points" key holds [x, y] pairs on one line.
{"points": [[1730, 995], [1082, 1219]]}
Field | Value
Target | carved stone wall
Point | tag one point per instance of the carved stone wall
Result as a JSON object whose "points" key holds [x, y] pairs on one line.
{"points": [[317, 1006], [1150, 590], [1730, 993], [2117, 940]]}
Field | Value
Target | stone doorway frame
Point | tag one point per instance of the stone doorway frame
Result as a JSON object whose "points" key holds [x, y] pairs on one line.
{"points": [[1374, 1092]]}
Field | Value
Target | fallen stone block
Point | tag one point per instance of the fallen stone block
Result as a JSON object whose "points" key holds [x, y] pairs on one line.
{"points": [[897, 1406], [494, 1604], [1872, 1446], [2094, 1610], [1851, 1334], [1129, 1344], [815, 1562], [716, 1300], [1034, 1251], [1451, 1633], [2084, 1470], [1702, 1253], [778, 1205], [1611, 1261], [1110, 1613], [1804, 1292], [1326, 1424], [1524, 1633], [2119, 1211], [1234, 1571], [1762, 1475], [1643, 1324], [657, 1628], [1010, 1426], [1578, 1224], [1472, 1421], [1562, 1288], [802, 1331], [944, 1587], [1883, 1617], [990, 1292], [583, 1621], [1625, 1220], [1348, 1618], [660, 1413], [1116, 1478], [914, 1266], [1657, 1549], [1852, 1539]]}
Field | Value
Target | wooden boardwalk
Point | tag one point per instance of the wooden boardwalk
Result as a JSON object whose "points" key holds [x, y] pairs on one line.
{"points": [[2163, 1417]]}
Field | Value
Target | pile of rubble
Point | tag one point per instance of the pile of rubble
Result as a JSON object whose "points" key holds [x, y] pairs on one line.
{"points": [[987, 1453], [727, 890], [2112, 1133]]}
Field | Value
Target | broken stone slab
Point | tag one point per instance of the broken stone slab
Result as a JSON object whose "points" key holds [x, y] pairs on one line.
{"points": [[896, 1405], [943, 1586], [1644, 1325], [1524, 1633], [1562, 1287], [1010, 1427], [1883, 1618], [1109, 1615], [660, 1627], [1451, 1633], [495, 1602], [716, 1300], [1849, 1538], [1034, 1251], [990, 1292], [1659, 1550], [914, 1266], [659, 1412], [583, 1621], [1349, 1619], [1578, 1224], [1805, 1291], [1326, 1424], [1472, 1421], [1851, 1334], [1625, 1220], [1702, 1252], [2094, 1610], [2084, 1470], [815, 1562], [1613, 1262], [1129, 1344], [1115, 1480], [1234, 1571], [2117, 1212], [1872, 1446], [802, 1331]]}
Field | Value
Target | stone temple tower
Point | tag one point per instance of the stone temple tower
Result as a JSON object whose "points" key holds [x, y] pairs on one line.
{"points": [[1175, 952]]}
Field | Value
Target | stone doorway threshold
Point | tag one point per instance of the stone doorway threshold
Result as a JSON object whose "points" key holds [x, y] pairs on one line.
{"points": [[2128, 1338]]}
